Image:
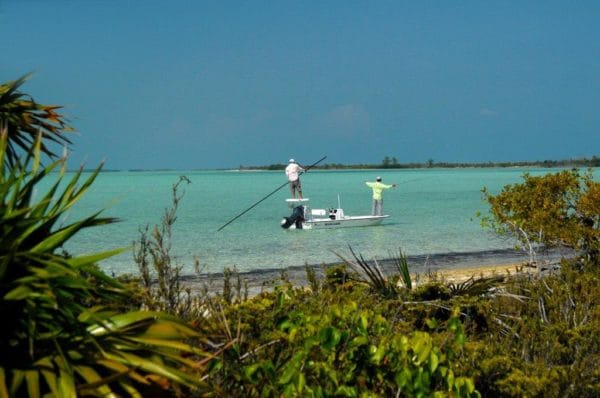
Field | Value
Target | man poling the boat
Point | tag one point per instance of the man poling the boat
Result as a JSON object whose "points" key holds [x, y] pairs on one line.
{"points": [[378, 187], [267, 196], [293, 171]]}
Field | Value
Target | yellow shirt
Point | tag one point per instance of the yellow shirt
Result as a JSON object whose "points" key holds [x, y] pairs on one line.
{"points": [[378, 188]]}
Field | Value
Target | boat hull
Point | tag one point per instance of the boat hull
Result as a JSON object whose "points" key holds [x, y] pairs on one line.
{"points": [[349, 221]]}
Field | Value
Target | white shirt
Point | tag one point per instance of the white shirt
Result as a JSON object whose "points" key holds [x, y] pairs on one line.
{"points": [[292, 171]]}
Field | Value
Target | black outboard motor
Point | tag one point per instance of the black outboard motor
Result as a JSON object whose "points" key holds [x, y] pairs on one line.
{"points": [[332, 214], [296, 218]]}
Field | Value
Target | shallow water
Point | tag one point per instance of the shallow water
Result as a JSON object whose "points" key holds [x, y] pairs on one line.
{"points": [[432, 213]]}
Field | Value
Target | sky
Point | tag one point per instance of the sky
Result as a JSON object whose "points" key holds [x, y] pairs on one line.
{"points": [[217, 84]]}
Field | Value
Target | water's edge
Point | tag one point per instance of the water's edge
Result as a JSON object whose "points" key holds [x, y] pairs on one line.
{"points": [[259, 279]]}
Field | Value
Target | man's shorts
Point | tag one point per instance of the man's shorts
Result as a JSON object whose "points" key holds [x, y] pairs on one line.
{"points": [[296, 184]]}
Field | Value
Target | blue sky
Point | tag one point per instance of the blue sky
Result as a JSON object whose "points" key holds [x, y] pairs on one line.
{"points": [[217, 84]]}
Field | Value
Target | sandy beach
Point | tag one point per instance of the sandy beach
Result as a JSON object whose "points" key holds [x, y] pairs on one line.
{"points": [[450, 267], [460, 275]]}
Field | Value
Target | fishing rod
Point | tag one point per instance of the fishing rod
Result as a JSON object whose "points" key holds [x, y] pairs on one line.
{"points": [[256, 204], [414, 179]]}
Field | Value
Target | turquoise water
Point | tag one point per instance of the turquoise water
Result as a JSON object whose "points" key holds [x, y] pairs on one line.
{"points": [[432, 212]]}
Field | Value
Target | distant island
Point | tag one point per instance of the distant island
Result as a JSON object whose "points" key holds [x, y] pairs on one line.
{"points": [[392, 163]]}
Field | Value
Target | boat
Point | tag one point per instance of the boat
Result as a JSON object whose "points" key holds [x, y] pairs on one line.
{"points": [[304, 217]]}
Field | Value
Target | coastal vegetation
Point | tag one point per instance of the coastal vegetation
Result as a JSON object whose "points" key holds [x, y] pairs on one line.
{"points": [[68, 328], [554, 210], [361, 330]]}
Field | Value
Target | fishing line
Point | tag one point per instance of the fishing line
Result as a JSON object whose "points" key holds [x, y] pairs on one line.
{"points": [[413, 180], [256, 204]]}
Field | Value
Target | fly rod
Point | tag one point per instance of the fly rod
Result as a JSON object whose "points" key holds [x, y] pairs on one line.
{"points": [[413, 180], [256, 204]]}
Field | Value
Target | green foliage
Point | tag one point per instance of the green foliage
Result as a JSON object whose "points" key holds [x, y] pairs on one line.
{"points": [[561, 209], [233, 293], [23, 119], [373, 275], [432, 291], [311, 277], [159, 273], [513, 337], [401, 263], [340, 348], [338, 275], [542, 338], [63, 332], [475, 286]]}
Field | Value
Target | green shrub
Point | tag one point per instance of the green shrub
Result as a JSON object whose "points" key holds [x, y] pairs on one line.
{"points": [[432, 291], [296, 343], [338, 275]]}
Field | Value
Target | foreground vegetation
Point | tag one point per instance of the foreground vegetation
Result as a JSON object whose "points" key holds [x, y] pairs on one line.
{"points": [[503, 337], [70, 330]]}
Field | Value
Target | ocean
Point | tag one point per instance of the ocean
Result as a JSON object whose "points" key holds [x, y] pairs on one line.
{"points": [[432, 214]]}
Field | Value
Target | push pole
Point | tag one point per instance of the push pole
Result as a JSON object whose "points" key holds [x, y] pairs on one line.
{"points": [[256, 204]]}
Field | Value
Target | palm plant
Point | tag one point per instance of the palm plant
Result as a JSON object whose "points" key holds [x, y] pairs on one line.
{"points": [[63, 333], [401, 263], [23, 119], [372, 274]]}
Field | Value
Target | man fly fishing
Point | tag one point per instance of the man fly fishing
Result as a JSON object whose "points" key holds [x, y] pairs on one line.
{"points": [[378, 187]]}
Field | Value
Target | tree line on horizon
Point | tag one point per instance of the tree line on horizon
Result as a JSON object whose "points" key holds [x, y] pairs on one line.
{"points": [[393, 163]]}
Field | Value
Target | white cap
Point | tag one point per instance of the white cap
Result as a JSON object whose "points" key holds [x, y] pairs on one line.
{"points": [[378, 178], [292, 161]]}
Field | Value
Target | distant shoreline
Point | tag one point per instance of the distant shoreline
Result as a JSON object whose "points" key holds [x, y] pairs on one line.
{"points": [[583, 162], [392, 163]]}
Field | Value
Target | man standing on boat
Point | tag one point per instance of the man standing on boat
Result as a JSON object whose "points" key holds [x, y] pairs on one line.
{"points": [[292, 171], [378, 188]]}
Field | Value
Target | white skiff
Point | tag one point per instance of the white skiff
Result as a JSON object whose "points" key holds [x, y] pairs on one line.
{"points": [[303, 217]]}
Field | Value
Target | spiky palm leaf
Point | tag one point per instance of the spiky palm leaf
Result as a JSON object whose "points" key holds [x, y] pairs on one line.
{"points": [[476, 286], [401, 263], [62, 333], [24, 119], [371, 273]]}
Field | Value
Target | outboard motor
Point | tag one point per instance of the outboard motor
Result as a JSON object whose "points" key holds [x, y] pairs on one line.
{"points": [[332, 214], [296, 218]]}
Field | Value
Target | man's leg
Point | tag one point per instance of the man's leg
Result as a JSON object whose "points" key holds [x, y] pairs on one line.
{"points": [[299, 188], [374, 207], [377, 208]]}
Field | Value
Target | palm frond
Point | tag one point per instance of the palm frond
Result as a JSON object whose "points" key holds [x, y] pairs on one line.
{"points": [[372, 273], [63, 334], [401, 263], [24, 119], [476, 286]]}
